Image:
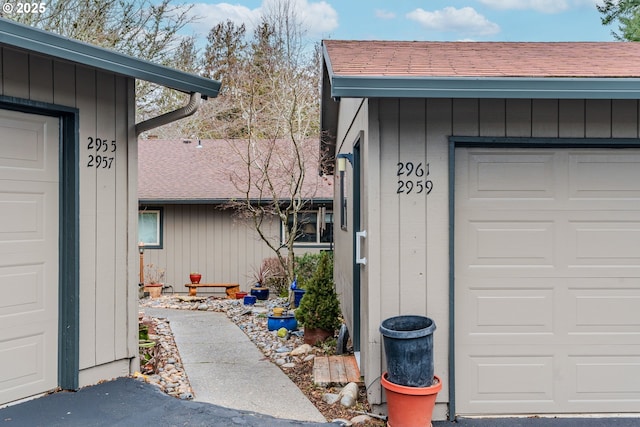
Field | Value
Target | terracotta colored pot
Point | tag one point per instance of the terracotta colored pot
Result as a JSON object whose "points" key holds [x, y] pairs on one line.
{"points": [[195, 278], [241, 294], [313, 336], [410, 406], [154, 289]]}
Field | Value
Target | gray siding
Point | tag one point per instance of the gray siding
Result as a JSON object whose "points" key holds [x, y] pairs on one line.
{"points": [[407, 245], [108, 205], [214, 242]]}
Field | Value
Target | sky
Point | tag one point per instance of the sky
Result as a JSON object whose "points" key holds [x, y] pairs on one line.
{"points": [[433, 20]]}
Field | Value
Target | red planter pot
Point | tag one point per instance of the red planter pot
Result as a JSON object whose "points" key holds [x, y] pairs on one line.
{"points": [[410, 406], [312, 336], [195, 278]]}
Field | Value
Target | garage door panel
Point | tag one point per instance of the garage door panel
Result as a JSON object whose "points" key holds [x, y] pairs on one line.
{"points": [[604, 242], [29, 259], [603, 176], [29, 147], [510, 243], [494, 175], [522, 378], [606, 310], [25, 356], [30, 278], [547, 281], [500, 311], [604, 376]]}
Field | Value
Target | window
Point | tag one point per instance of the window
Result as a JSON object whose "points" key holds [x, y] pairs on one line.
{"points": [[150, 227], [314, 227]]}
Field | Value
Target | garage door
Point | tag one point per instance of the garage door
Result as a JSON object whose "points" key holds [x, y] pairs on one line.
{"points": [[547, 280], [28, 254]]}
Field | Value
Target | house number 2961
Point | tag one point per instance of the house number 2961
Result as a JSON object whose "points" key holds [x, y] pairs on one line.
{"points": [[413, 178]]}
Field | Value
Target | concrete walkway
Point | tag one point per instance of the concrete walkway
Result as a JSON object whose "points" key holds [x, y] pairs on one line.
{"points": [[225, 368]]}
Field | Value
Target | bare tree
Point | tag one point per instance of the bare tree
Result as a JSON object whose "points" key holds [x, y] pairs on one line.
{"points": [[279, 103], [144, 29]]}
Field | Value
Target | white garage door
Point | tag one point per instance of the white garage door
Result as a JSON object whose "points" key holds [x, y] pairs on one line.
{"points": [[547, 280], [28, 254]]}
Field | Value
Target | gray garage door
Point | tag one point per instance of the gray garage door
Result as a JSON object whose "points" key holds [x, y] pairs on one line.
{"points": [[547, 255], [28, 255]]}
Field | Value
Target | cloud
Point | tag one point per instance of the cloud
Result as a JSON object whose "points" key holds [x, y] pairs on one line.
{"points": [[543, 6], [384, 14], [317, 17], [465, 21]]}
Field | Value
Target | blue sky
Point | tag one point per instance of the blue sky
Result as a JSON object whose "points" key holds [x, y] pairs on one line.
{"points": [[438, 20]]}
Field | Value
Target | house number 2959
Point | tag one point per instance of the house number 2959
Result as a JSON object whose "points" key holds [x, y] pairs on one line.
{"points": [[101, 153], [413, 178]]}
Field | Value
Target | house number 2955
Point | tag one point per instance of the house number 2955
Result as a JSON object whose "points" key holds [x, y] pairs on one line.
{"points": [[101, 153], [413, 178]]}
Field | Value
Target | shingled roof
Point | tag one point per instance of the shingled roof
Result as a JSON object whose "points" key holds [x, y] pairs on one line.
{"points": [[605, 70], [175, 171]]}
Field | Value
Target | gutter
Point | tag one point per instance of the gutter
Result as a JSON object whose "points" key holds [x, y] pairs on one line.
{"points": [[171, 116]]}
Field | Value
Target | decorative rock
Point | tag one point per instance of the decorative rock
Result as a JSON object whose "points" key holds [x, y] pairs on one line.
{"points": [[341, 422], [288, 365], [330, 398], [309, 357], [282, 332], [361, 419], [203, 307], [302, 350], [280, 362], [349, 395], [283, 350]]}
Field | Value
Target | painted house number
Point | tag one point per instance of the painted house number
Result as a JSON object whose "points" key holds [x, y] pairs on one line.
{"points": [[101, 153], [413, 178]]}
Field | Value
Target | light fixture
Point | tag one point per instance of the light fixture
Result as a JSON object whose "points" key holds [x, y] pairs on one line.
{"points": [[199, 144], [342, 161], [141, 247]]}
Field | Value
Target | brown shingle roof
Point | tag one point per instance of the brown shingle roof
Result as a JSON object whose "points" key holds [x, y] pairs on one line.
{"points": [[483, 59], [171, 170]]}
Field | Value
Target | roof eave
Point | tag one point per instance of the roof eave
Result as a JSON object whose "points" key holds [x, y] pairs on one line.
{"points": [[485, 87], [46, 43]]}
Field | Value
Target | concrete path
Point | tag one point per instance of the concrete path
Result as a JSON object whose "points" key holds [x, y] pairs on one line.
{"points": [[225, 368]]}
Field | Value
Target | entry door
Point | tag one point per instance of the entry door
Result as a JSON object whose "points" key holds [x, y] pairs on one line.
{"points": [[29, 180], [547, 298]]}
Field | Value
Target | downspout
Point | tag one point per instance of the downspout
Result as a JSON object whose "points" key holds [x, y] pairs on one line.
{"points": [[171, 116]]}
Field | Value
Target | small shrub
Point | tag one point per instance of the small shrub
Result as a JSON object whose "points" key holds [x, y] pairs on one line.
{"points": [[276, 276], [320, 308]]}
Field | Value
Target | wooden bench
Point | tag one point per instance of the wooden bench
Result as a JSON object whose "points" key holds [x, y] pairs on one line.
{"points": [[230, 288]]}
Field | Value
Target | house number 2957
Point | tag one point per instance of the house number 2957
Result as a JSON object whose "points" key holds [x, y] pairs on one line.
{"points": [[101, 153], [413, 178]]}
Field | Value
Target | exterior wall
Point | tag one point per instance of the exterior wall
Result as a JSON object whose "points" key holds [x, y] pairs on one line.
{"points": [[407, 246], [108, 205], [353, 117], [212, 241]]}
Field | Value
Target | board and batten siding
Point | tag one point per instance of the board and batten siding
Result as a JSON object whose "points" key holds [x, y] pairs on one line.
{"points": [[407, 246], [212, 241], [107, 201]]}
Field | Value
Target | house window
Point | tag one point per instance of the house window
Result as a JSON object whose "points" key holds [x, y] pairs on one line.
{"points": [[314, 228], [150, 227]]}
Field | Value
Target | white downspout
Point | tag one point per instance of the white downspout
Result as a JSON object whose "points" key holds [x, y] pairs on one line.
{"points": [[171, 116]]}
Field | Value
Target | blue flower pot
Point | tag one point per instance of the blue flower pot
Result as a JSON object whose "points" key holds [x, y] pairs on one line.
{"points": [[249, 300], [261, 293], [297, 296], [287, 321]]}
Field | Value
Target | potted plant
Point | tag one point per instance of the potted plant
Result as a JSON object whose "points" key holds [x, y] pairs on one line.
{"points": [[260, 276], [195, 277], [154, 282], [319, 309]]}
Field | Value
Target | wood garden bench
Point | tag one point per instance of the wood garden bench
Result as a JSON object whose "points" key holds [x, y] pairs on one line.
{"points": [[230, 288]]}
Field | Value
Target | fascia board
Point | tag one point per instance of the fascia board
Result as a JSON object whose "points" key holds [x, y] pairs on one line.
{"points": [[484, 87], [46, 43]]}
